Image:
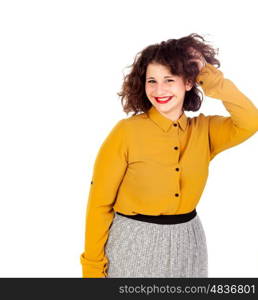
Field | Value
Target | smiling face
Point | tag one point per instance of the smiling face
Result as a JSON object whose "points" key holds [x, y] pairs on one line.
{"points": [[160, 82]]}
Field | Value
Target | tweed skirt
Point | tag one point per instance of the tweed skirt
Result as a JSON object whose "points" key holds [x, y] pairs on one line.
{"points": [[141, 249]]}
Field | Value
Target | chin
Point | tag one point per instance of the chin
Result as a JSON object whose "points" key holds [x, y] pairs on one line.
{"points": [[164, 108]]}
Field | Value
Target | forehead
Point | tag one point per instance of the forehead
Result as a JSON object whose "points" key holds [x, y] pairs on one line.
{"points": [[155, 68]]}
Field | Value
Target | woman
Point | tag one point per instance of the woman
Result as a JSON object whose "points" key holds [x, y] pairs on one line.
{"points": [[151, 169]]}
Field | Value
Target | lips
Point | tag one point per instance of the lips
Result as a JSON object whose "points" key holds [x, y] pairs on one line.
{"points": [[163, 99]]}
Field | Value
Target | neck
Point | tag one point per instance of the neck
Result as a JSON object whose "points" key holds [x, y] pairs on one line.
{"points": [[174, 115]]}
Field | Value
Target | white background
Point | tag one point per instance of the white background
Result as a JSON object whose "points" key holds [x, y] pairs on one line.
{"points": [[61, 66]]}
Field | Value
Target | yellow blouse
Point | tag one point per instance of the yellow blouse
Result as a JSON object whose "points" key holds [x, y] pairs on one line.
{"points": [[149, 164]]}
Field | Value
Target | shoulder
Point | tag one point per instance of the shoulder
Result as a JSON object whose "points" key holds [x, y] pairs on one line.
{"points": [[198, 119], [137, 118], [133, 121]]}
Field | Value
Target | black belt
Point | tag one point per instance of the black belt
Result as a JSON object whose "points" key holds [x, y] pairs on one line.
{"points": [[163, 219]]}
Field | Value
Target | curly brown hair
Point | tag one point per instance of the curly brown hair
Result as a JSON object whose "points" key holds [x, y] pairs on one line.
{"points": [[175, 54]]}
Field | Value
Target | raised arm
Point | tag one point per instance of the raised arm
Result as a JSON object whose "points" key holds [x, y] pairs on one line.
{"points": [[226, 132]]}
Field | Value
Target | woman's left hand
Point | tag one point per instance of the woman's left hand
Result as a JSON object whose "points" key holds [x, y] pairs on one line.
{"points": [[198, 58]]}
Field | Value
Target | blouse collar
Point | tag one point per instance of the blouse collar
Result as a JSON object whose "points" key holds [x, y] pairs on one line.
{"points": [[164, 122]]}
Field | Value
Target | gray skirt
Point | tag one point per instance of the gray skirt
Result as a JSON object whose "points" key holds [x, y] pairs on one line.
{"points": [[140, 249]]}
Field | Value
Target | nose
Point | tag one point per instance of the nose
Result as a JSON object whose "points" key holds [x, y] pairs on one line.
{"points": [[160, 90]]}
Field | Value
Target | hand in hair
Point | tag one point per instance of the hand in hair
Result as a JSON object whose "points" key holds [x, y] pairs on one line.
{"points": [[198, 58]]}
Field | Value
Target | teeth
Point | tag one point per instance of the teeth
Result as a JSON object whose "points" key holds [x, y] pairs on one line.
{"points": [[164, 98]]}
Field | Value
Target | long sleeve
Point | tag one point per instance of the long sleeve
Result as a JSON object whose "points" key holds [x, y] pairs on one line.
{"points": [[226, 132], [109, 169]]}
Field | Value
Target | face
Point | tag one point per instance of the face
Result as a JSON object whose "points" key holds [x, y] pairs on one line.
{"points": [[160, 82]]}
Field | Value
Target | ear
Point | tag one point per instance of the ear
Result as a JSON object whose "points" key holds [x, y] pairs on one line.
{"points": [[188, 85]]}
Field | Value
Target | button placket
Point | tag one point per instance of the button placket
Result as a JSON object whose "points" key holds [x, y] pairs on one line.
{"points": [[176, 161], [177, 170]]}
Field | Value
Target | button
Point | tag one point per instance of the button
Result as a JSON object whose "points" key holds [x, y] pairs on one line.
{"points": [[175, 125], [177, 169], [176, 148], [176, 194], [91, 182], [201, 82]]}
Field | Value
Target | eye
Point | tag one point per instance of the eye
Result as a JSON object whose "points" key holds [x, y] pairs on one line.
{"points": [[150, 81]]}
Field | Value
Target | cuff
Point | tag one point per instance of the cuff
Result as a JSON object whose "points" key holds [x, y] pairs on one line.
{"points": [[93, 269], [209, 76]]}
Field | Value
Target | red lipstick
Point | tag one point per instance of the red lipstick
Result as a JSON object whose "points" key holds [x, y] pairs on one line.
{"points": [[159, 99]]}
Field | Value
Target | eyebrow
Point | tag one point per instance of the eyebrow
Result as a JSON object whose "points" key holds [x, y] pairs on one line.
{"points": [[164, 77]]}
